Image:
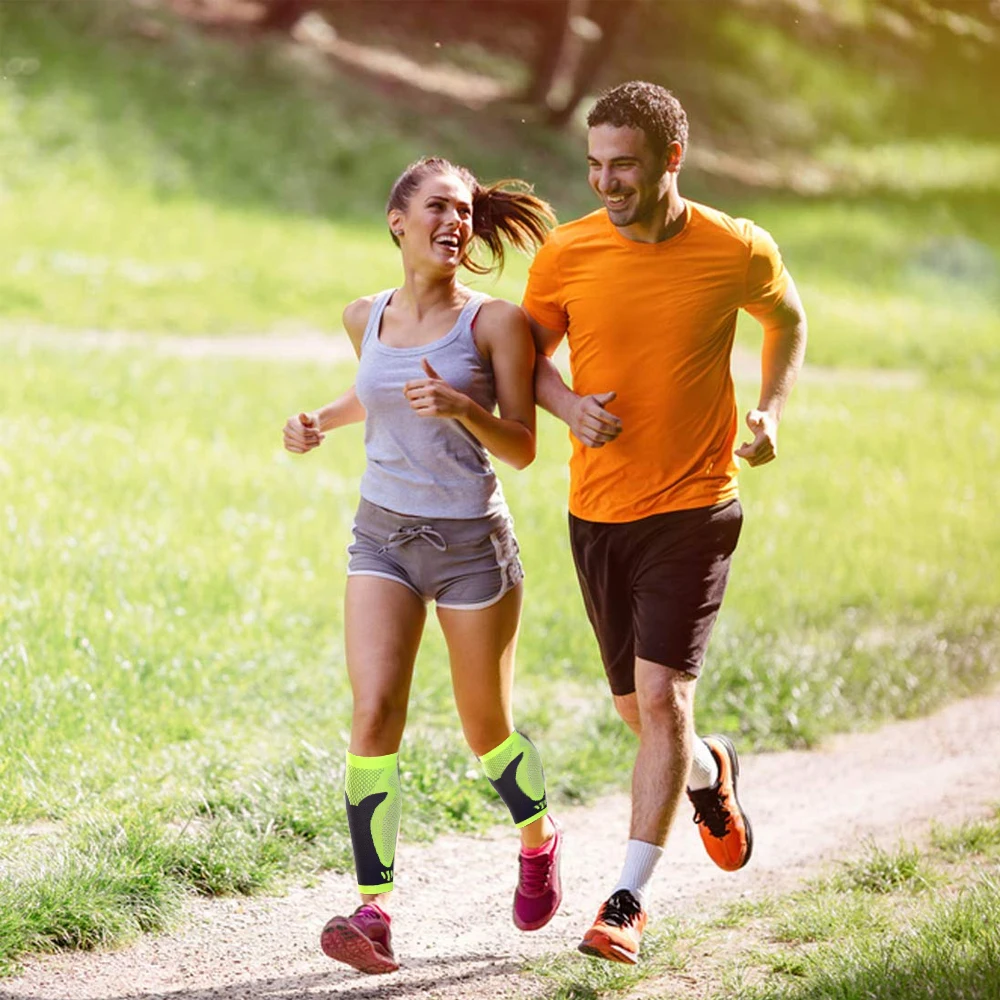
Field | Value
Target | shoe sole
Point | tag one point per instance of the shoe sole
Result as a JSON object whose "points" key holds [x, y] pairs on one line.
{"points": [[344, 943], [614, 952], [734, 766]]}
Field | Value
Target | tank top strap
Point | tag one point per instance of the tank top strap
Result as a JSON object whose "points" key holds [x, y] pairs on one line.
{"points": [[375, 315], [467, 317]]}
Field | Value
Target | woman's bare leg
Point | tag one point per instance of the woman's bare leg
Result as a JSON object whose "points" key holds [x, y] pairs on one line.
{"points": [[481, 647], [384, 621]]}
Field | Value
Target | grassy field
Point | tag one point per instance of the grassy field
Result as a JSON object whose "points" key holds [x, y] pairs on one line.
{"points": [[896, 924], [171, 624], [174, 705]]}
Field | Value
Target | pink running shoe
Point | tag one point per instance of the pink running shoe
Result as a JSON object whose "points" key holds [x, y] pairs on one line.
{"points": [[539, 891], [363, 940]]}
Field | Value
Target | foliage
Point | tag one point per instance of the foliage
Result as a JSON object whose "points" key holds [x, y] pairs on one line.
{"points": [[173, 691], [828, 941]]}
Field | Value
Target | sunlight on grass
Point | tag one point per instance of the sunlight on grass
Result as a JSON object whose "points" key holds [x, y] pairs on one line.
{"points": [[918, 167], [575, 977], [180, 578], [978, 837], [174, 699], [882, 871], [858, 933], [952, 951]]}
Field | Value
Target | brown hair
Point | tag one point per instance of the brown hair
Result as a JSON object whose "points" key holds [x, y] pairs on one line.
{"points": [[506, 211], [645, 106]]}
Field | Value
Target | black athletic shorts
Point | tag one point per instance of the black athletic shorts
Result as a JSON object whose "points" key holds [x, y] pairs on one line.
{"points": [[653, 587]]}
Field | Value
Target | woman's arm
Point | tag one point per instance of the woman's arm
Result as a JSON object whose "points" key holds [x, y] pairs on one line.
{"points": [[305, 431], [345, 409], [502, 335]]}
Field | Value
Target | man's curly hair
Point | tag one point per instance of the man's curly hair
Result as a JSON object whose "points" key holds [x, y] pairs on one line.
{"points": [[645, 106]]}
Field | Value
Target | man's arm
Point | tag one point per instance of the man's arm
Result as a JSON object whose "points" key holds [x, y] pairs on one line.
{"points": [[584, 415], [781, 359]]}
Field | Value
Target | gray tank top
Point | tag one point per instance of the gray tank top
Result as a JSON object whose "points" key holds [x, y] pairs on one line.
{"points": [[427, 466]]}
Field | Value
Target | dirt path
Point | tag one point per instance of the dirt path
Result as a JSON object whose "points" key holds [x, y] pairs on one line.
{"points": [[807, 807], [331, 348]]}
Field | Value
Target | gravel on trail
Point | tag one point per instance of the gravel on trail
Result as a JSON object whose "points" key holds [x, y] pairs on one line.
{"points": [[452, 918]]}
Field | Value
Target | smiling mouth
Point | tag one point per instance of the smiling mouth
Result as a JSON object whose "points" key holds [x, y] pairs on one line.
{"points": [[616, 201], [452, 243]]}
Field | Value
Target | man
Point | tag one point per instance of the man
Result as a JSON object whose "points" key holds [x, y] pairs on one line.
{"points": [[647, 290]]}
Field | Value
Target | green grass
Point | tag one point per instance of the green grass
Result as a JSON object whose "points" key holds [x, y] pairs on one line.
{"points": [[172, 688], [104, 889], [171, 627], [569, 977], [190, 185], [951, 949], [883, 871], [901, 923], [980, 837], [895, 283], [890, 924]]}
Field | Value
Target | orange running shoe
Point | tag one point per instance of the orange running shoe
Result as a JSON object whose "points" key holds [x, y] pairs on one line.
{"points": [[617, 931], [363, 940], [723, 825]]}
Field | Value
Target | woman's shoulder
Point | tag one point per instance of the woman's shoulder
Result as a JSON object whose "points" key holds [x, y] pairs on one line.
{"points": [[500, 315], [502, 325], [356, 314]]}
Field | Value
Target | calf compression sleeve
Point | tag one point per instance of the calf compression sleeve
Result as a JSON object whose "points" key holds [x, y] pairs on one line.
{"points": [[372, 797], [515, 771]]}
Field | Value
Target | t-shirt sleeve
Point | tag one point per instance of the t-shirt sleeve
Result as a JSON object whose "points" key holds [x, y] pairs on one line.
{"points": [[543, 296], [767, 279]]}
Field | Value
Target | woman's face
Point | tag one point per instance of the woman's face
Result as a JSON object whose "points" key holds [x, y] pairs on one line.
{"points": [[437, 223]]}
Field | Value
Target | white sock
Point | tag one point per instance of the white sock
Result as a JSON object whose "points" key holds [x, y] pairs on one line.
{"points": [[640, 860], [704, 767]]}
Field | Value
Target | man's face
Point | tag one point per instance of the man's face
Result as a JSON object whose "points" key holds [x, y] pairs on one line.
{"points": [[626, 175]]}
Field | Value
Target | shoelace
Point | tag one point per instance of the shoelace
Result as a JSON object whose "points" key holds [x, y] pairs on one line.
{"points": [[621, 909], [405, 535], [710, 809], [535, 874], [370, 921]]}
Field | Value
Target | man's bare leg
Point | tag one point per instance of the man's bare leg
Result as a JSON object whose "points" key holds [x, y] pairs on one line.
{"points": [[665, 700]]}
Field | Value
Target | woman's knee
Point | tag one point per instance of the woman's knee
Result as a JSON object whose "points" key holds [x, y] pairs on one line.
{"points": [[378, 721], [486, 733]]}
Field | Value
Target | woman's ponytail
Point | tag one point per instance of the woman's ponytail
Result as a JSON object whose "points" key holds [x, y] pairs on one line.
{"points": [[507, 212]]}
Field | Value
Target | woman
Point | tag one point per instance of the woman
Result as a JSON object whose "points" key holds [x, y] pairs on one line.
{"points": [[435, 360]]}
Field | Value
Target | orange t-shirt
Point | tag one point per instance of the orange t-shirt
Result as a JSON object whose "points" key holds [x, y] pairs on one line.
{"points": [[655, 323]]}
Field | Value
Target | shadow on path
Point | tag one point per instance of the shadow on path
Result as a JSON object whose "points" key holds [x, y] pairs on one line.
{"points": [[416, 978]]}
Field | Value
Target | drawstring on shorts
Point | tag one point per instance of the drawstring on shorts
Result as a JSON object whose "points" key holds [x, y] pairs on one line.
{"points": [[404, 536]]}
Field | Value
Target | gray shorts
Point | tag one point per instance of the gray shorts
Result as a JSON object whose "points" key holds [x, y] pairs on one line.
{"points": [[467, 563]]}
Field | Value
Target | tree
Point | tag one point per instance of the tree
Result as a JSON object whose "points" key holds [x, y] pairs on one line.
{"points": [[283, 15], [607, 18]]}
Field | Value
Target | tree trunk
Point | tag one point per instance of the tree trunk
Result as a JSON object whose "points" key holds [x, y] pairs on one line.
{"points": [[282, 15], [553, 26], [610, 16]]}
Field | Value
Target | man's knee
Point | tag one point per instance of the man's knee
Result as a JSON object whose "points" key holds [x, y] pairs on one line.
{"points": [[664, 696], [627, 706]]}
